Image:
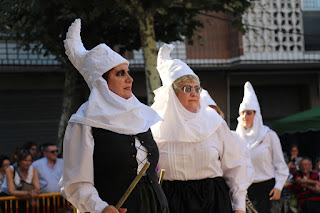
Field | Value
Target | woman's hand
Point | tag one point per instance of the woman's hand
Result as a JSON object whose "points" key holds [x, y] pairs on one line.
{"points": [[276, 193], [33, 193], [112, 209], [239, 211]]}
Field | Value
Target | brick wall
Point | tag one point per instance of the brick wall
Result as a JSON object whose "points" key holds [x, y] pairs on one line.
{"points": [[219, 40]]}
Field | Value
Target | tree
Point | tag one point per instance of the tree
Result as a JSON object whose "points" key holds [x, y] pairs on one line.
{"points": [[128, 24]]}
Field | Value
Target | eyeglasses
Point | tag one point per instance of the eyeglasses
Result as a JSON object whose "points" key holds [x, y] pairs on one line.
{"points": [[188, 89], [53, 151]]}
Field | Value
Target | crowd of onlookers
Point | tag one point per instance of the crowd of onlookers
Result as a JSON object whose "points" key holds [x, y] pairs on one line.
{"points": [[31, 170], [302, 190]]}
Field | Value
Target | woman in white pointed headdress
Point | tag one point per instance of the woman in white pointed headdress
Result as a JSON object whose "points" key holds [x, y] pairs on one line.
{"points": [[108, 140], [271, 171], [250, 172], [210, 102], [197, 150]]}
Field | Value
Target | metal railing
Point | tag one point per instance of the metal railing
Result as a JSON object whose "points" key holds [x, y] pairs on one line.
{"points": [[44, 203]]}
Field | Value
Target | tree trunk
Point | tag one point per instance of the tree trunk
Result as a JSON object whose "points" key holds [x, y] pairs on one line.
{"points": [[68, 97], [148, 42], [149, 48]]}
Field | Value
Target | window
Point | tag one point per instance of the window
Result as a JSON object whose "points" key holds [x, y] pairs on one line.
{"points": [[311, 20]]}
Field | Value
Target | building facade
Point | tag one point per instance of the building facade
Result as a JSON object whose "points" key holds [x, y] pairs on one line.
{"points": [[279, 54]]}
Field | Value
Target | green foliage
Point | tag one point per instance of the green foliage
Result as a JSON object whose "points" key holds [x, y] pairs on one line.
{"points": [[46, 22]]}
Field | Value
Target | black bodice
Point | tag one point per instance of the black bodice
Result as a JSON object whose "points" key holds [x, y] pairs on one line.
{"points": [[115, 165]]}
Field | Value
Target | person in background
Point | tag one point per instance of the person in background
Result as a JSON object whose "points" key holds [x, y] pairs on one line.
{"points": [[210, 102], [49, 168], [4, 163], [32, 148], [203, 163], [40, 151], [317, 167], [270, 169], [243, 145], [21, 180], [294, 159], [108, 140], [307, 187], [14, 155]]}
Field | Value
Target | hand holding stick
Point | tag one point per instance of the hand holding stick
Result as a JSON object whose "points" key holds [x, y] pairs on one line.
{"points": [[132, 185]]}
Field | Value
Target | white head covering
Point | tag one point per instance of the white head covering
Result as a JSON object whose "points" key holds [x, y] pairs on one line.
{"points": [[207, 98], [170, 69], [255, 134], [91, 64], [105, 109], [179, 124]]}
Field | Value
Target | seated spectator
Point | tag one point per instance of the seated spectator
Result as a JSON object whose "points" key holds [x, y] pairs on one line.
{"points": [[14, 155], [50, 169], [40, 151], [32, 148], [4, 164], [294, 159], [21, 180], [317, 167], [307, 187]]}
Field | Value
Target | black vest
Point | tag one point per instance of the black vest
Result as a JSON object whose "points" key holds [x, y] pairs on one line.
{"points": [[115, 166]]}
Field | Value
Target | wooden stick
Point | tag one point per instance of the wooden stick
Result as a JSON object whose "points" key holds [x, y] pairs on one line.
{"points": [[162, 171], [251, 208], [132, 185]]}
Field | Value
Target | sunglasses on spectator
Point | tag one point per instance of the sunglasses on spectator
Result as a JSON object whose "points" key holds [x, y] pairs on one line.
{"points": [[53, 151], [188, 89]]}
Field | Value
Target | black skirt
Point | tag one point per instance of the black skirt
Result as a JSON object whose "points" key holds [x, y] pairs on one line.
{"points": [[198, 196], [147, 202], [258, 193]]}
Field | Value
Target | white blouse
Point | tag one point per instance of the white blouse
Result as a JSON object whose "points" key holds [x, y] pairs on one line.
{"points": [[246, 154], [268, 161], [217, 156], [77, 182]]}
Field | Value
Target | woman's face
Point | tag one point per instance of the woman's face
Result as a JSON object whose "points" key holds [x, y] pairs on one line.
{"points": [[119, 81], [305, 166], [33, 150], [294, 151], [5, 165], [247, 117], [25, 163], [189, 99]]}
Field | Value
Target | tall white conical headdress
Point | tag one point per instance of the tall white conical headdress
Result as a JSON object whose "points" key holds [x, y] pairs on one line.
{"points": [[91, 64], [255, 134], [250, 100], [171, 69], [207, 98]]}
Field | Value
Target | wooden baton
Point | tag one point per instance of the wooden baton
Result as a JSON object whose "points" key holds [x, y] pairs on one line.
{"points": [[162, 171], [132, 185]]}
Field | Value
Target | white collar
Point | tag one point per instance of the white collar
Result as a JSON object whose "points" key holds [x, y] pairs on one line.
{"points": [[179, 124], [106, 110], [255, 134]]}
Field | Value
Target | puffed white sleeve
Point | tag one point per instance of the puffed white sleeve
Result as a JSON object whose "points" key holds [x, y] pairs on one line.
{"points": [[234, 169], [281, 169], [77, 184], [246, 154]]}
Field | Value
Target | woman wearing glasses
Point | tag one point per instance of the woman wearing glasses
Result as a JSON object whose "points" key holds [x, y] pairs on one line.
{"points": [[202, 160]]}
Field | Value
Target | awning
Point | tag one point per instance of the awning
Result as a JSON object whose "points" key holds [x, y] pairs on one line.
{"points": [[308, 120]]}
